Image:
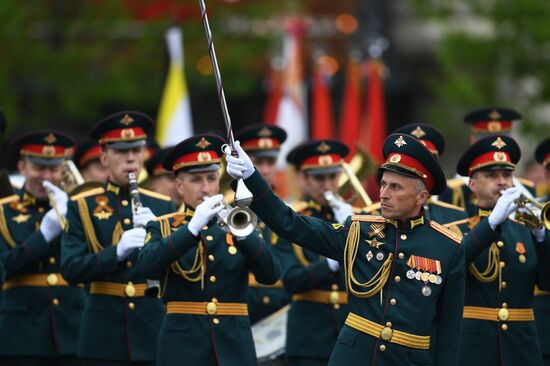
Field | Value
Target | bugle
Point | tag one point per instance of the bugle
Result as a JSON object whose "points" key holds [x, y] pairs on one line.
{"points": [[239, 221], [529, 217]]}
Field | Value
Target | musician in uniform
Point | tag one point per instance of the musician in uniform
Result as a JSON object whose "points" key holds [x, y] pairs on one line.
{"points": [[86, 159], [161, 180], [483, 122], [262, 142], [120, 324], [542, 298], [203, 269], [505, 260], [399, 268], [40, 312]]}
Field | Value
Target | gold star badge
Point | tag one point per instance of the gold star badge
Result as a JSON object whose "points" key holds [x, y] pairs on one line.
{"points": [[21, 218], [126, 120], [498, 143], [418, 132], [400, 142], [323, 147], [203, 143], [494, 115], [265, 132], [50, 139]]}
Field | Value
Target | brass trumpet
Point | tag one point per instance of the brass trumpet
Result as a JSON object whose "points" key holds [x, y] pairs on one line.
{"points": [[239, 221], [529, 217]]}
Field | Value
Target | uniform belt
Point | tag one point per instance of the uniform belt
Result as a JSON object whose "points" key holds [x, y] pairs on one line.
{"points": [[323, 297], [252, 282], [118, 289], [36, 280], [386, 333], [207, 308], [498, 314]]}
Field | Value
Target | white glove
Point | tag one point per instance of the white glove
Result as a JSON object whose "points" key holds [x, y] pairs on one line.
{"points": [[341, 210], [241, 167], [129, 241], [333, 265], [142, 216], [204, 213], [50, 227], [539, 234], [61, 198], [505, 206]]}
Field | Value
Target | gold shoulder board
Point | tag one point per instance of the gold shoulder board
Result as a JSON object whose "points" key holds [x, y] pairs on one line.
{"points": [[368, 218], [457, 238], [299, 206], [88, 193], [457, 222], [526, 182], [154, 194], [167, 216], [9, 199], [373, 207], [447, 205], [455, 183]]}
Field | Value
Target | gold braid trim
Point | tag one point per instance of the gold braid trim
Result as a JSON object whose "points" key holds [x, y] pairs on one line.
{"points": [[493, 266], [117, 233], [299, 252], [91, 238], [377, 282], [4, 229], [458, 197]]}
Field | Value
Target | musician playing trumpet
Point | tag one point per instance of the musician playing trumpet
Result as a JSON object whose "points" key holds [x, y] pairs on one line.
{"points": [[203, 269], [40, 312], [505, 260], [120, 324]]}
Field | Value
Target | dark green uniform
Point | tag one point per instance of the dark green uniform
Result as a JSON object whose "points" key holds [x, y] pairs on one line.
{"points": [[264, 300], [313, 324], [541, 305], [39, 313], [176, 257], [395, 305], [116, 328], [524, 263]]}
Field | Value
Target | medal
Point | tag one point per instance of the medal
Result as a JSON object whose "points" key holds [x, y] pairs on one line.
{"points": [[232, 250], [426, 291], [520, 249], [522, 258], [369, 255], [438, 280], [380, 256], [424, 276], [418, 275], [410, 274], [432, 278]]}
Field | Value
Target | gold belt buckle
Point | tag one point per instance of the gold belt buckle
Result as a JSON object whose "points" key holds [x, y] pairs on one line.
{"points": [[386, 334], [211, 308], [503, 314], [130, 290], [334, 297], [51, 279]]}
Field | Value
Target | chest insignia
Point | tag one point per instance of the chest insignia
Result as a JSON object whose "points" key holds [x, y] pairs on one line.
{"points": [[21, 218], [102, 211], [377, 231]]}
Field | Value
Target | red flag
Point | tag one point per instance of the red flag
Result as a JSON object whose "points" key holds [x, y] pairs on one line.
{"points": [[273, 97], [322, 126], [350, 115], [373, 130]]}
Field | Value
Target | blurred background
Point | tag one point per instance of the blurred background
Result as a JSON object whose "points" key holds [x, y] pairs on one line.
{"points": [[351, 69]]}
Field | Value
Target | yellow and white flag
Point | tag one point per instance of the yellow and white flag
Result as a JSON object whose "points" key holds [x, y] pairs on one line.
{"points": [[174, 122]]}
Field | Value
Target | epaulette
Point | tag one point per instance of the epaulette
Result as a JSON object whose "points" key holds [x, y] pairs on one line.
{"points": [[455, 183], [91, 192], [9, 199], [457, 238], [160, 196], [368, 218], [457, 222], [373, 207], [299, 206], [526, 182], [167, 216], [447, 205]]}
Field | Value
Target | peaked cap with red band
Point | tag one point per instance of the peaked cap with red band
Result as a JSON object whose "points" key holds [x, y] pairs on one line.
{"points": [[87, 152], [261, 139], [200, 153], [318, 157], [406, 155], [492, 120], [430, 136], [489, 153], [542, 153], [153, 164], [123, 130], [45, 147]]}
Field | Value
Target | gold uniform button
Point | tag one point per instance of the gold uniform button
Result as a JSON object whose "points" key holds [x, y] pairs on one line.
{"points": [[127, 221], [397, 279], [403, 237], [334, 287], [124, 202], [386, 334], [336, 306], [211, 308], [55, 301], [41, 209], [131, 306], [214, 299], [504, 327], [382, 348], [503, 284], [393, 301], [504, 305], [210, 257], [130, 290], [51, 279], [129, 264], [502, 264], [212, 278], [52, 260], [205, 227], [500, 243], [503, 314], [216, 321], [401, 256], [388, 324], [265, 300], [209, 237]]}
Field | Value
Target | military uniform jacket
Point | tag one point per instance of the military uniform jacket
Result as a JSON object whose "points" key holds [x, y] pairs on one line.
{"points": [[523, 264], [398, 303], [542, 311], [36, 321], [113, 327], [264, 300], [312, 328], [212, 267]]}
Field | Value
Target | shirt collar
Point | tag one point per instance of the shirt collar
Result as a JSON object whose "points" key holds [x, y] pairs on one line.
{"points": [[483, 212], [411, 223], [116, 189]]}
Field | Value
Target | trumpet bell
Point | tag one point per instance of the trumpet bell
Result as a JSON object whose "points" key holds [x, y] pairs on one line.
{"points": [[241, 221]]}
